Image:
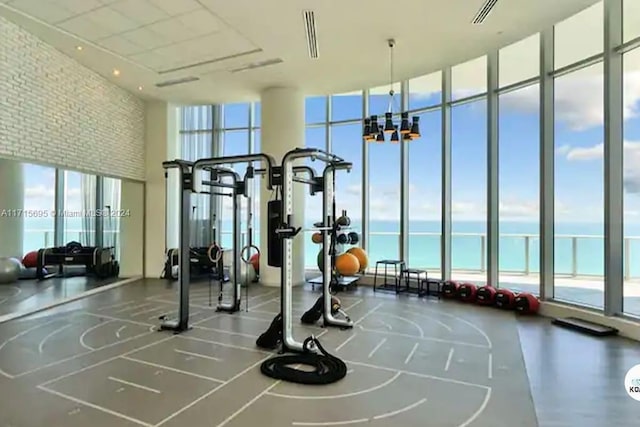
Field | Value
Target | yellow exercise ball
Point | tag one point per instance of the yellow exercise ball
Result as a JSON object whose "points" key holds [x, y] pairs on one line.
{"points": [[316, 237], [362, 256], [347, 264]]}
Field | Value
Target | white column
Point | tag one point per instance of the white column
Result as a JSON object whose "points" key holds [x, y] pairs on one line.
{"points": [[131, 229], [161, 143], [11, 206], [282, 131]]}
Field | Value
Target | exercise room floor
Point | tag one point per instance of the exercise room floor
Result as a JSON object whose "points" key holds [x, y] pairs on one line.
{"points": [[29, 295], [100, 362]]}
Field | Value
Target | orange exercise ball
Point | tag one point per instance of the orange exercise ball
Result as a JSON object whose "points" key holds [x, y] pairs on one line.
{"points": [[362, 256], [347, 264]]}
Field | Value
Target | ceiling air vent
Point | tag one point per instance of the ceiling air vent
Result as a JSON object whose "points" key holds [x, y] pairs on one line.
{"points": [[177, 81], [260, 64], [484, 11], [310, 30]]}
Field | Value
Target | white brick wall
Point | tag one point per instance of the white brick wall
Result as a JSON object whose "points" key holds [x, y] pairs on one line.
{"points": [[54, 110]]}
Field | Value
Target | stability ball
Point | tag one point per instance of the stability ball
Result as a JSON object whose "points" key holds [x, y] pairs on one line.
{"points": [[320, 260], [316, 238], [30, 260], [9, 270], [347, 264], [247, 274], [255, 261], [362, 256]]}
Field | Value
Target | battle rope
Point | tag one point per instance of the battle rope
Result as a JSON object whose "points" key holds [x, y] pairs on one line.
{"points": [[327, 368]]}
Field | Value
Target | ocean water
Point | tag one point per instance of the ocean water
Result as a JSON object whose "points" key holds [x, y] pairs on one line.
{"points": [[519, 244]]}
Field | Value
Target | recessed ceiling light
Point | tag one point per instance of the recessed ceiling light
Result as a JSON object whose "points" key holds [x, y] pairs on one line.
{"points": [[116, 72], [78, 47], [139, 87]]}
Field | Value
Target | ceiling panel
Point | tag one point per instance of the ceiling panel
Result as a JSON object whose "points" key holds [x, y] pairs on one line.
{"points": [[146, 38], [201, 22], [85, 28], [46, 11], [141, 11], [172, 29], [177, 7], [150, 60], [77, 6], [120, 45], [111, 20]]}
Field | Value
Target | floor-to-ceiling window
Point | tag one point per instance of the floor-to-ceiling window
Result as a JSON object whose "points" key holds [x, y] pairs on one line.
{"points": [[579, 165], [346, 142], [519, 166], [469, 170], [79, 203], [196, 136], [39, 202], [384, 183], [234, 143], [425, 173], [631, 169], [315, 136], [111, 190]]}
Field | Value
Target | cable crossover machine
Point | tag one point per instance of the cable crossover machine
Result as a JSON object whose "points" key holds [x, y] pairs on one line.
{"points": [[192, 179]]}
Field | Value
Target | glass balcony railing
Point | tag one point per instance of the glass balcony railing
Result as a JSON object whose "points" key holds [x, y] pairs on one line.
{"points": [[575, 255]]}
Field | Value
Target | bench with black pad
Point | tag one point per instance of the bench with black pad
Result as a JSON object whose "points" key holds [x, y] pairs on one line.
{"points": [[585, 326]]}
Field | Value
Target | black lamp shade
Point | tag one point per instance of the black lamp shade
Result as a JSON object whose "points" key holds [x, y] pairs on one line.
{"points": [[395, 138], [380, 137], [367, 129], [388, 123], [373, 130], [405, 128], [415, 128]]}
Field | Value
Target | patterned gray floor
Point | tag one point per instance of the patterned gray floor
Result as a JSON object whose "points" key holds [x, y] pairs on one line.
{"points": [[411, 362]]}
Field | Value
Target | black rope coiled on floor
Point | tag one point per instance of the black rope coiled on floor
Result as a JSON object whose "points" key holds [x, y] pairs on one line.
{"points": [[327, 368]]}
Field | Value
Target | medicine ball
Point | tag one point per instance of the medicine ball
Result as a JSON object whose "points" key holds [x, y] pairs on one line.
{"points": [[467, 292], [354, 238], [505, 298], [486, 295], [30, 260], [344, 221], [316, 238], [527, 303], [343, 239], [450, 289]]}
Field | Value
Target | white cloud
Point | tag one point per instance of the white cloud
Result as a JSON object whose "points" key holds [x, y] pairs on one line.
{"points": [[563, 149], [39, 191], [586, 153], [519, 209], [631, 161], [579, 99]]}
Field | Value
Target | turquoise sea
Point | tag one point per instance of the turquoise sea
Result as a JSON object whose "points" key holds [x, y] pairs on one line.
{"points": [[424, 244]]}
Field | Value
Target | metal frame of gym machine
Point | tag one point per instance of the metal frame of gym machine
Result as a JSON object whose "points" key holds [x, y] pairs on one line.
{"points": [[288, 232], [191, 181]]}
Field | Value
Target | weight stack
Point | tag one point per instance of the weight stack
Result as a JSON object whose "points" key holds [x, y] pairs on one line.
{"points": [[274, 242]]}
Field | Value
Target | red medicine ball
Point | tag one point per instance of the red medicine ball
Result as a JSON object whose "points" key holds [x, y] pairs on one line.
{"points": [[450, 289], [467, 292], [30, 260], [486, 295], [505, 298], [527, 303]]}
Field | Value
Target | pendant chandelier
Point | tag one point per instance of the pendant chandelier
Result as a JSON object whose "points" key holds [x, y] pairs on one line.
{"points": [[375, 132]]}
